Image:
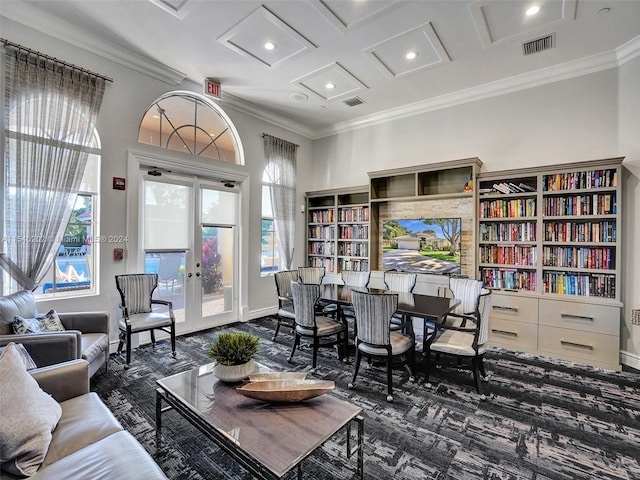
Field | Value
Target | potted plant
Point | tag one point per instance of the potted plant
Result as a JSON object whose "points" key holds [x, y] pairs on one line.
{"points": [[233, 353]]}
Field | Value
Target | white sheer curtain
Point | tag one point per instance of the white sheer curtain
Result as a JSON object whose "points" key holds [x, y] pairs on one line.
{"points": [[49, 117], [280, 158]]}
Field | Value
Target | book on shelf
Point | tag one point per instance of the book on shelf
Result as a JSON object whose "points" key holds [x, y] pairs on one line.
{"points": [[526, 187], [501, 187]]}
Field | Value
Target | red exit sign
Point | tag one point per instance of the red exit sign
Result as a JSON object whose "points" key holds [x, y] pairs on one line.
{"points": [[212, 88]]}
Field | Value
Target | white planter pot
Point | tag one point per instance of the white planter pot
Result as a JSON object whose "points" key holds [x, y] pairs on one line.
{"points": [[233, 373]]}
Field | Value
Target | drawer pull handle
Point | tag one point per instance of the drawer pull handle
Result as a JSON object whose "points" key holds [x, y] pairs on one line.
{"points": [[574, 344], [509, 309], [579, 317], [504, 332]]}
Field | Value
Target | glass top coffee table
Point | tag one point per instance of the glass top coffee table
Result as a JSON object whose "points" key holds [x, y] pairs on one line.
{"points": [[268, 439]]}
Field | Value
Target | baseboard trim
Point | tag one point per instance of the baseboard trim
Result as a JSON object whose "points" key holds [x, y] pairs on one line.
{"points": [[630, 359], [263, 312]]}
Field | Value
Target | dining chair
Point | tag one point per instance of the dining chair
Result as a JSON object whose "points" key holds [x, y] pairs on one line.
{"points": [[469, 292], [136, 302], [285, 315], [353, 278], [315, 276], [403, 283], [311, 275], [375, 337], [309, 322], [465, 332]]}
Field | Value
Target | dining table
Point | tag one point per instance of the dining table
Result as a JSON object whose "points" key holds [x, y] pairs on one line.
{"points": [[432, 309]]}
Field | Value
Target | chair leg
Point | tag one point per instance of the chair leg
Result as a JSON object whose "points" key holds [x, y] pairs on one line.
{"points": [[476, 374], [275, 334], [427, 358], [345, 335], [357, 367], [128, 349], [481, 366], [315, 354], [121, 340], [173, 340], [153, 338], [296, 342], [389, 380], [340, 346], [412, 364]]}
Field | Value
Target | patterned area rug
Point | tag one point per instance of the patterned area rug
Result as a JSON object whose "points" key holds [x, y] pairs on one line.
{"points": [[542, 420]]}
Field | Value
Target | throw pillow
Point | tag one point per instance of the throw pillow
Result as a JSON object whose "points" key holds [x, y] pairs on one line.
{"points": [[29, 415], [47, 322], [25, 325], [26, 358], [50, 322]]}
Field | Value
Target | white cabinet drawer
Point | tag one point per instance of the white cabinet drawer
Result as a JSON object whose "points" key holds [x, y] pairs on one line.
{"points": [[513, 335], [580, 316], [514, 308], [580, 346]]}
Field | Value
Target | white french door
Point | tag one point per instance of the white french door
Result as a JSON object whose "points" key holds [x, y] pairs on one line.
{"points": [[190, 239]]}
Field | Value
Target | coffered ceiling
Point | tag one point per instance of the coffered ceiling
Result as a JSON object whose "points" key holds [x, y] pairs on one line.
{"points": [[322, 66]]}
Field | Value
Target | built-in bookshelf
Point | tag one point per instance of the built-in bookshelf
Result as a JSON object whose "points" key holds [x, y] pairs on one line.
{"points": [[549, 248], [338, 229]]}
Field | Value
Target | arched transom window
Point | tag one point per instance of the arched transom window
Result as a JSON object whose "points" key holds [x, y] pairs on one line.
{"points": [[190, 123]]}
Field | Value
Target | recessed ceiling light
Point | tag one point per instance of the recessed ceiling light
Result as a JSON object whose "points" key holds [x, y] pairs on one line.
{"points": [[604, 10], [330, 85], [411, 55], [533, 10], [270, 46]]}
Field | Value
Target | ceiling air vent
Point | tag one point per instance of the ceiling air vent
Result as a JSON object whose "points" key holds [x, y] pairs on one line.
{"points": [[352, 102], [539, 44]]}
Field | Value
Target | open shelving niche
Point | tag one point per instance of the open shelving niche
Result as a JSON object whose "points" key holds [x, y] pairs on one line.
{"points": [[443, 189], [549, 246], [338, 229]]}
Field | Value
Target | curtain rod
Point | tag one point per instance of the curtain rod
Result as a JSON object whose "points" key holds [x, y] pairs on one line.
{"points": [[281, 139], [48, 57]]}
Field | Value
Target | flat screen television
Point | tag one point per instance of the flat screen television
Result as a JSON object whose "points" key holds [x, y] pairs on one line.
{"points": [[421, 245]]}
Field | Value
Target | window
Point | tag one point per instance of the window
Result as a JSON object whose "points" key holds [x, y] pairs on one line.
{"points": [[51, 170], [279, 196], [72, 271], [192, 124], [269, 257]]}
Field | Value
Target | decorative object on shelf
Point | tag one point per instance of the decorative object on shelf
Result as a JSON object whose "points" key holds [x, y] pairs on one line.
{"points": [[234, 353], [290, 390]]}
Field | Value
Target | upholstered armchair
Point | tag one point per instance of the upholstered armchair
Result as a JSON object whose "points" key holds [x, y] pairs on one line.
{"points": [[85, 335]]}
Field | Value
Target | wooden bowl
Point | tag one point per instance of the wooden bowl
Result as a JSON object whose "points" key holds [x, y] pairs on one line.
{"points": [[265, 376], [285, 390]]}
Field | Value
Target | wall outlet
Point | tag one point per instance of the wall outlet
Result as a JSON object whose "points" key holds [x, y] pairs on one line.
{"points": [[635, 317]]}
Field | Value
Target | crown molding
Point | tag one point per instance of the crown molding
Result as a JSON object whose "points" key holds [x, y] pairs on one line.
{"points": [[545, 76], [256, 111], [78, 37], [629, 51]]}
